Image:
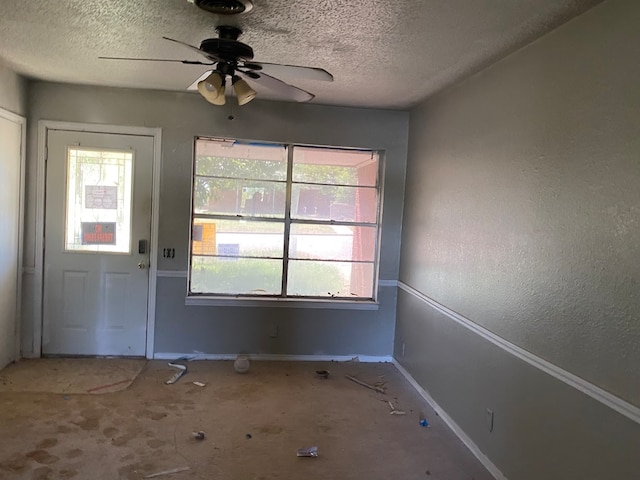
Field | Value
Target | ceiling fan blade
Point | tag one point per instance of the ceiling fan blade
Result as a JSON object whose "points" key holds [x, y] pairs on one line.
{"points": [[306, 73], [195, 49], [186, 62], [281, 87]]}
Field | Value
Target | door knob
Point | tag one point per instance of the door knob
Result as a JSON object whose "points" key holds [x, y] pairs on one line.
{"points": [[142, 265]]}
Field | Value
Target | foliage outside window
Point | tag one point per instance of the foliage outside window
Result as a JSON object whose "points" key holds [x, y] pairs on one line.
{"points": [[286, 221]]}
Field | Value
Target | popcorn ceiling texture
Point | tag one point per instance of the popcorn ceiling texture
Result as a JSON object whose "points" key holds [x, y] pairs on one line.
{"points": [[382, 54]]}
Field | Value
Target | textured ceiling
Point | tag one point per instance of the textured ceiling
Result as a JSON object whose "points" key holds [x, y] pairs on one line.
{"points": [[382, 53]]}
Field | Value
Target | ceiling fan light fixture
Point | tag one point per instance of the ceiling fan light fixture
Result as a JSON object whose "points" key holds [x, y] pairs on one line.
{"points": [[220, 99], [224, 7], [211, 87], [244, 92]]}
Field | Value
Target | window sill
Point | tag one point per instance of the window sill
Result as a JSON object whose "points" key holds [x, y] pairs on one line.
{"points": [[280, 303]]}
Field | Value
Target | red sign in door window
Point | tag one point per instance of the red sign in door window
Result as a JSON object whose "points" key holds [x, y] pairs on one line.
{"points": [[98, 233]]}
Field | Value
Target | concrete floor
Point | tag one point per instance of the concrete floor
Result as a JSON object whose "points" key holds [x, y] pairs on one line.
{"points": [[70, 375], [147, 427]]}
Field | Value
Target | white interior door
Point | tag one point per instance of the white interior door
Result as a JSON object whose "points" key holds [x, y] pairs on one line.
{"points": [[11, 128], [97, 237]]}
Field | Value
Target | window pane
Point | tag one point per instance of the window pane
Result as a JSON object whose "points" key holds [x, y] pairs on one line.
{"points": [[330, 279], [239, 197], [347, 204], [99, 193], [237, 238], [333, 166], [332, 242], [236, 276], [237, 160]]}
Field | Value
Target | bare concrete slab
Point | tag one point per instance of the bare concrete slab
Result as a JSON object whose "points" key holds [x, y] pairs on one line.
{"points": [[70, 375], [254, 424]]}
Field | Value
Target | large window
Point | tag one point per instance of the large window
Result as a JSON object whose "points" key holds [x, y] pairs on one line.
{"points": [[284, 221]]}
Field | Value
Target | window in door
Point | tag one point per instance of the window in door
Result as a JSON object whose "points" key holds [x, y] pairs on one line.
{"points": [[98, 200]]}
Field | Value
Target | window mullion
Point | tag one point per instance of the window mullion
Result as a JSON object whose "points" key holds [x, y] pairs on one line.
{"points": [[247, 218], [287, 221], [332, 223]]}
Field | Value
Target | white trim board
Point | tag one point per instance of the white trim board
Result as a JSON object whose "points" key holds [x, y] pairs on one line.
{"points": [[22, 123], [153, 250], [279, 302], [616, 403], [43, 127], [172, 273], [185, 273], [276, 357], [470, 444]]}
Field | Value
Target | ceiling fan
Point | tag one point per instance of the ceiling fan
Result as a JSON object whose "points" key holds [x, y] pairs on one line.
{"points": [[232, 61]]}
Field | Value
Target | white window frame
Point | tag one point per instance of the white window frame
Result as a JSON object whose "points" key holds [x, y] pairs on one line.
{"points": [[252, 300]]}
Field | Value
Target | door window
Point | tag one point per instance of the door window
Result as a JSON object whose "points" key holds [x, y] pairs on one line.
{"points": [[98, 207]]}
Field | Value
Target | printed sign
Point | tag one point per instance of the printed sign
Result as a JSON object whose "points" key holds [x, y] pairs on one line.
{"points": [[100, 196], [228, 250], [98, 233]]}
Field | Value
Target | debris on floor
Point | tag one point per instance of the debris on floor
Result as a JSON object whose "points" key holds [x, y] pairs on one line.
{"points": [[394, 411], [199, 384], [182, 369], [109, 385], [198, 435], [424, 422], [247, 436], [324, 374], [241, 365], [168, 472], [377, 387], [308, 452]]}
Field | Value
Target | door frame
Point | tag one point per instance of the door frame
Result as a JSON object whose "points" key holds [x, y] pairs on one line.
{"points": [[44, 126], [22, 122]]}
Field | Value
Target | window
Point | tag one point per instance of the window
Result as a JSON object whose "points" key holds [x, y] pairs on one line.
{"points": [[98, 203], [284, 221]]}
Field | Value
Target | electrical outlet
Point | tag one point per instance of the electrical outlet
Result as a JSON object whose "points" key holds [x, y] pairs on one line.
{"points": [[488, 417]]}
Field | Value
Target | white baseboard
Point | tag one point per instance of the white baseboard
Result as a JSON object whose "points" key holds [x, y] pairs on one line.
{"points": [[488, 464], [276, 357]]}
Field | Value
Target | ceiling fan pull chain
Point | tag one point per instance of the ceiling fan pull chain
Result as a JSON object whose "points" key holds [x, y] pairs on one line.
{"points": [[231, 108]]}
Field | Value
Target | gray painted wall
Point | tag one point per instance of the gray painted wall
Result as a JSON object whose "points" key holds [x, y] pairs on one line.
{"points": [[13, 90], [522, 214], [230, 330], [182, 116], [543, 428]]}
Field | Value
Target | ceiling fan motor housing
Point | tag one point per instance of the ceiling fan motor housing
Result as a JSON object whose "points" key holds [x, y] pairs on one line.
{"points": [[228, 50], [224, 7], [226, 46]]}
